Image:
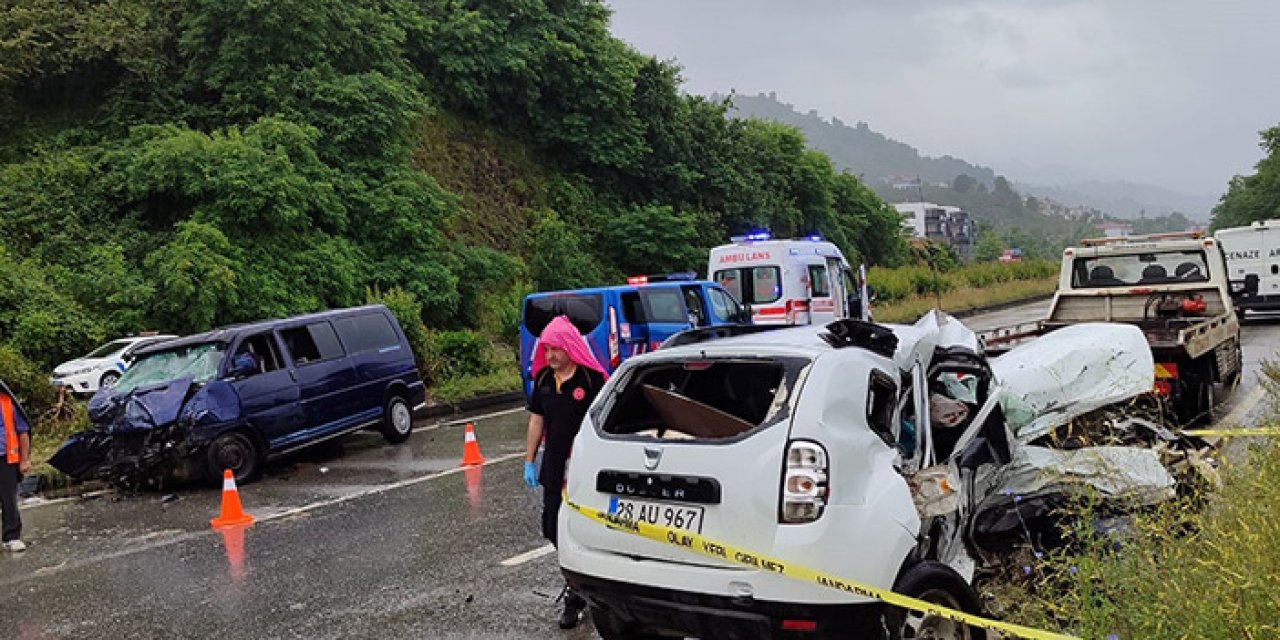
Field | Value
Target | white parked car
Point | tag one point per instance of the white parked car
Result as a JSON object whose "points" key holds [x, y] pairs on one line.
{"points": [[102, 366], [874, 453]]}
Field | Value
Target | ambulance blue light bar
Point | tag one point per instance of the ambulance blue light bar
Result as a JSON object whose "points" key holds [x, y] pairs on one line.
{"points": [[754, 236]]}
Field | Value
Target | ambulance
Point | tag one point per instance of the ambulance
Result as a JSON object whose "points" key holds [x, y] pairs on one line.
{"points": [[792, 282], [1253, 264]]}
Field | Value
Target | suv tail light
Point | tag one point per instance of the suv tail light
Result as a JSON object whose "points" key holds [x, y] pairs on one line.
{"points": [[804, 483]]}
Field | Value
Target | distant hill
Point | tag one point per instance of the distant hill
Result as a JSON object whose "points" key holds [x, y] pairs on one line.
{"points": [[880, 159], [1126, 199], [857, 148]]}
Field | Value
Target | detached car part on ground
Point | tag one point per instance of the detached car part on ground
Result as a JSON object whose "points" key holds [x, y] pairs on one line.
{"points": [[232, 397], [881, 454]]}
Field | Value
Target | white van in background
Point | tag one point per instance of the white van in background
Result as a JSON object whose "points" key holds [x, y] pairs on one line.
{"points": [[102, 366], [793, 282], [1253, 264]]}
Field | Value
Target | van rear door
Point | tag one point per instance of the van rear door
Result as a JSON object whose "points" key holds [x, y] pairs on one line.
{"points": [[697, 445]]}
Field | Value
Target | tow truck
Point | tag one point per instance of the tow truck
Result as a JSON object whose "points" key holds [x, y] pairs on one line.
{"points": [[1175, 288]]}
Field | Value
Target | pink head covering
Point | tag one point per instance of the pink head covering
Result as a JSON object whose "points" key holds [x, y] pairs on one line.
{"points": [[561, 333]]}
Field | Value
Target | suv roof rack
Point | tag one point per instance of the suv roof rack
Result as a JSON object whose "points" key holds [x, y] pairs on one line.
{"points": [[1151, 237], [877, 339]]}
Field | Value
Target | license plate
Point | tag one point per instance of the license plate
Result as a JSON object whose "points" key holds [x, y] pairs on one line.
{"points": [[682, 517]]}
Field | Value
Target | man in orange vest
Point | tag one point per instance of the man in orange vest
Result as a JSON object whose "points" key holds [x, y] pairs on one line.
{"points": [[15, 446]]}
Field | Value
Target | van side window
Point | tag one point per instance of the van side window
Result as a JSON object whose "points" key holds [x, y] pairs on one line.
{"points": [[818, 284], [366, 332], [262, 346], [722, 306], [312, 343]]}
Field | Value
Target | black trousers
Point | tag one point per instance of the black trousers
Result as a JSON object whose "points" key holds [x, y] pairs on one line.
{"points": [[550, 512], [9, 478]]}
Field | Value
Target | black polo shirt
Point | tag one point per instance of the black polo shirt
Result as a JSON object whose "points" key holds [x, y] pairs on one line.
{"points": [[562, 410]]}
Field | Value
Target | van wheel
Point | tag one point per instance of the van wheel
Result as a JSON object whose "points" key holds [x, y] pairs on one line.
{"points": [[611, 627], [934, 582], [108, 380], [397, 420], [236, 451]]}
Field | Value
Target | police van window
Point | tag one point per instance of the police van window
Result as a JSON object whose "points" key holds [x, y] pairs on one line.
{"points": [[663, 305], [722, 306], [366, 332], [311, 343], [818, 283], [752, 285], [585, 311]]}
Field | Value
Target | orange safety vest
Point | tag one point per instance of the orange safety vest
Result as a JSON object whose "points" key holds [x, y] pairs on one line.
{"points": [[11, 453]]}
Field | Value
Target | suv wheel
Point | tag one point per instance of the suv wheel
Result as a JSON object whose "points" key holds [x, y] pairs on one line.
{"points": [[397, 420], [108, 380], [935, 582], [236, 451]]}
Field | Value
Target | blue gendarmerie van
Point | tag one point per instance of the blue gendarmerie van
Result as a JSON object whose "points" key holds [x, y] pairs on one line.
{"points": [[621, 321], [232, 397]]}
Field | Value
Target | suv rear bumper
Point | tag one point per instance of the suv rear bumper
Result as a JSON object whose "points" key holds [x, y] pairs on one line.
{"points": [[709, 617]]}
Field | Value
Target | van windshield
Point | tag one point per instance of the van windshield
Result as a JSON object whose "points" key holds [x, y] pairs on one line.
{"points": [[752, 285], [585, 311], [197, 361]]}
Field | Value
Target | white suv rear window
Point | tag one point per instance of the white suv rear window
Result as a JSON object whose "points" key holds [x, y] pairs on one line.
{"points": [[702, 399]]}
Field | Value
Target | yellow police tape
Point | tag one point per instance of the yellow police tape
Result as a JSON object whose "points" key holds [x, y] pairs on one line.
{"points": [[1261, 432], [701, 545]]}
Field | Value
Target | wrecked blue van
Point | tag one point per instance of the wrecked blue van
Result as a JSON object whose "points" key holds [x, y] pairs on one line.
{"points": [[233, 397]]}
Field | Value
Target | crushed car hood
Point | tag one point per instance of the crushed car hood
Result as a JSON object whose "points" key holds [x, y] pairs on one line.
{"points": [[141, 409], [1049, 381]]}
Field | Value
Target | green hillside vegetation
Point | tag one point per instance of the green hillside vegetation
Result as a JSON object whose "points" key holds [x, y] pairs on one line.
{"points": [[181, 164], [1254, 197]]}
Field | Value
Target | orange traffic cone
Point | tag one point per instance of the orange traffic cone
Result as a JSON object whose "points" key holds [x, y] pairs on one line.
{"points": [[232, 514], [471, 448]]}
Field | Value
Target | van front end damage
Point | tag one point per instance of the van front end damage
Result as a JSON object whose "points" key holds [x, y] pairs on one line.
{"points": [[149, 434]]}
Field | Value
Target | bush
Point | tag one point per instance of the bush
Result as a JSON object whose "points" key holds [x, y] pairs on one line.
{"points": [[454, 354], [32, 387]]}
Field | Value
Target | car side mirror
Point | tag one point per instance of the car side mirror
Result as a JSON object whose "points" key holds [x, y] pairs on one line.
{"points": [[744, 316]]}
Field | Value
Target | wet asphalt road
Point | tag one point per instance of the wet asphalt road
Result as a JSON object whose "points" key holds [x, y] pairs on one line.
{"points": [[359, 540]]}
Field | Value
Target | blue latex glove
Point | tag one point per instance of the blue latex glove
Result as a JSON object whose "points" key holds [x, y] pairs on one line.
{"points": [[530, 474]]}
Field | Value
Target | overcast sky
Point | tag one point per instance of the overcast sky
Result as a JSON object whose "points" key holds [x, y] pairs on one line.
{"points": [[1169, 92]]}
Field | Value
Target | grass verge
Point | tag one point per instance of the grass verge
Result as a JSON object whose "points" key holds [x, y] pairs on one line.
{"points": [[1202, 567], [964, 299], [453, 390]]}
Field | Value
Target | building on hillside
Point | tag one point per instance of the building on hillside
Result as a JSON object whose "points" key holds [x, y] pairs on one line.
{"points": [[1113, 229], [948, 225]]}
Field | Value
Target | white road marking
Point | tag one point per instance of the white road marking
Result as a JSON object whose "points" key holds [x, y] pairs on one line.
{"points": [[379, 489], [495, 414], [147, 546], [528, 555]]}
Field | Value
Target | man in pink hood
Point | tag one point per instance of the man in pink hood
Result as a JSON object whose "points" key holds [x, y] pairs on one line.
{"points": [[566, 379]]}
